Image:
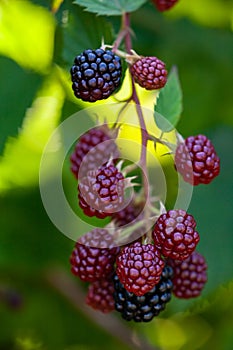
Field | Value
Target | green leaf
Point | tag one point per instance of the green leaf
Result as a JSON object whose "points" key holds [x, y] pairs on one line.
{"points": [[110, 8], [169, 103], [16, 85], [82, 31]]}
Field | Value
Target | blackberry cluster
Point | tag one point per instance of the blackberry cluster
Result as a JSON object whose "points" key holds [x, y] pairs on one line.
{"points": [[100, 295], [143, 308], [96, 74]]}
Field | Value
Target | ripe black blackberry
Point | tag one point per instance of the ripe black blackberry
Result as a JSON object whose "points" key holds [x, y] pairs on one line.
{"points": [[164, 5], [139, 267], [174, 234], [94, 255], [96, 74], [149, 73], [143, 308], [196, 160], [189, 276], [100, 295], [93, 149]]}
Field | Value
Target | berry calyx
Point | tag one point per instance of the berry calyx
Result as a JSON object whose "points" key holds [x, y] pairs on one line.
{"points": [[189, 276], [139, 267], [143, 308], [149, 73], [100, 295], [94, 255], [174, 234], [96, 74], [196, 160], [164, 5], [93, 149]]}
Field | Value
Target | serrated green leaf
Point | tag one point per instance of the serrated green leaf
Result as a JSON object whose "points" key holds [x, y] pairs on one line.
{"points": [[82, 31], [169, 103], [110, 8]]}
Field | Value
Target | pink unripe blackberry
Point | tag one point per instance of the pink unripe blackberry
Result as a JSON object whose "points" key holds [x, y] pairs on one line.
{"points": [[164, 5], [174, 234], [100, 295], [196, 160], [139, 267], [189, 276], [149, 73], [94, 255]]}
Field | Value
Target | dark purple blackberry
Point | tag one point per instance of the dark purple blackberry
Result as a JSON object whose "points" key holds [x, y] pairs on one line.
{"points": [[101, 193], [143, 308], [94, 255], [149, 73], [189, 276], [96, 74], [100, 295], [164, 5], [93, 149], [174, 234], [139, 267], [196, 160]]}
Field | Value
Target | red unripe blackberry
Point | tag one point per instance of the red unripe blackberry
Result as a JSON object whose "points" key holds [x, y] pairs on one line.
{"points": [[94, 255], [149, 73], [196, 160], [139, 267], [164, 5], [102, 192], [93, 149], [100, 295], [95, 74], [174, 234], [189, 276], [143, 308]]}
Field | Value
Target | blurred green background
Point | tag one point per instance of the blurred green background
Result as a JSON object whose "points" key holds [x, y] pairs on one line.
{"points": [[41, 304]]}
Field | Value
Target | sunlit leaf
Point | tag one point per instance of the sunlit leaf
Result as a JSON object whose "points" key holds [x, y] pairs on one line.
{"points": [[27, 34], [20, 162], [110, 8]]}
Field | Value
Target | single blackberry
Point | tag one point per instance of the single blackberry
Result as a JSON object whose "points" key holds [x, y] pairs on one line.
{"points": [[164, 5], [189, 276], [139, 267], [149, 73], [93, 149], [174, 234], [196, 160], [102, 192], [94, 255], [100, 295], [96, 74], [143, 308]]}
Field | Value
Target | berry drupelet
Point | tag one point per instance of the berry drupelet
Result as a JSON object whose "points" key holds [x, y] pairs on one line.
{"points": [[94, 255], [96, 74], [174, 234], [189, 276], [149, 73], [196, 160], [143, 308], [93, 149], [100, 295], [139, 267]]}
